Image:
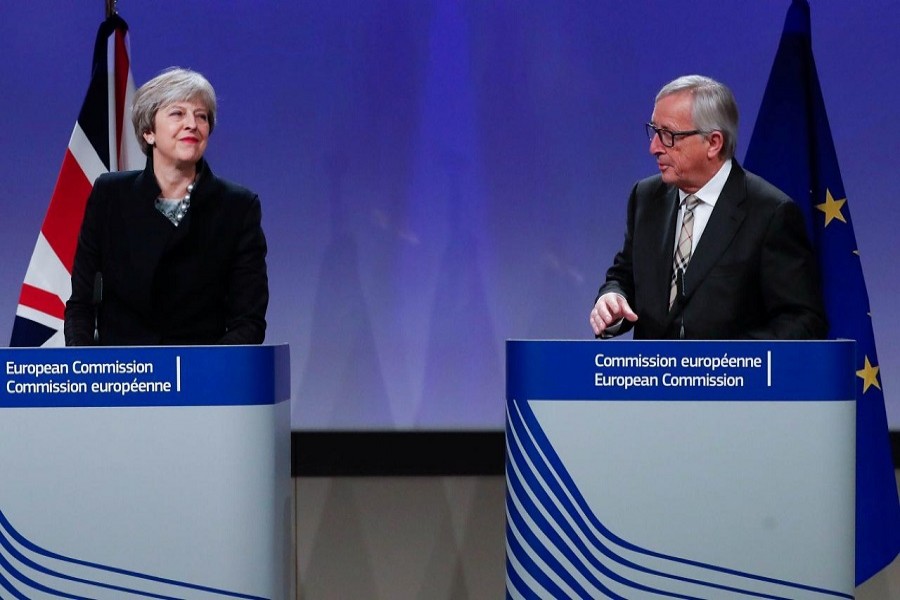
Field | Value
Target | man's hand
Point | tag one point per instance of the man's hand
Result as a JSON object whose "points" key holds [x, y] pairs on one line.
{"points": [[609, 310]]}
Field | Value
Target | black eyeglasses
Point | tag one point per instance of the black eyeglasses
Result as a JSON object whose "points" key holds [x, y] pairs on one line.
{"points": [[666, 137]]}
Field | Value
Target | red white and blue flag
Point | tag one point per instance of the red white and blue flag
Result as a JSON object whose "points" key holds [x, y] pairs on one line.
{"points": [[101, 142]]}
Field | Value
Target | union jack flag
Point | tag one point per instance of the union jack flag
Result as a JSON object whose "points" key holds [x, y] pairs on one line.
{"points": [[101, 142]]}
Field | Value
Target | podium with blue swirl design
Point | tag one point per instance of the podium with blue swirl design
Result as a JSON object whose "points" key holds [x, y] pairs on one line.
{"points": [[145, 473], [680, 469]]}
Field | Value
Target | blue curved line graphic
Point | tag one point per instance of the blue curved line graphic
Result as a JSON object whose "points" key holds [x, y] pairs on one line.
{"points": [[23, 541], [546, 503], [544, 525], [532, 540], [533, 426], [523, 421], [529, 538], [513, 579], [14, 552], [24, 579], [7, 585], [538, 574]]}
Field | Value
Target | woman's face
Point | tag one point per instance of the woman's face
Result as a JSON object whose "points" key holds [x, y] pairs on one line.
{"points": [[180, 134]]}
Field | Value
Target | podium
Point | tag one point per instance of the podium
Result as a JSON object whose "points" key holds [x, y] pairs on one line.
{"points": [[145, 473], [680, 469]]}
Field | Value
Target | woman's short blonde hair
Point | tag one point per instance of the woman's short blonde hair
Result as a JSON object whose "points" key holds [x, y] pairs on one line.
{"points": [[175, 84]]}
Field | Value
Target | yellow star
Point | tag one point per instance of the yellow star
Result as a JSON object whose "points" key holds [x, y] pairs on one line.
{"points": [[832, 208], [869, 375]]}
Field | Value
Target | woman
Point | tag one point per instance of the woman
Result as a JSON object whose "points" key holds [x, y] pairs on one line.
{"points": [[171, 254]]}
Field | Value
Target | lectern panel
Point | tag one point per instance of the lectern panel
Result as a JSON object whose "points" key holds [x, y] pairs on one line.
{"points": [[680, 469], [145, 472]]}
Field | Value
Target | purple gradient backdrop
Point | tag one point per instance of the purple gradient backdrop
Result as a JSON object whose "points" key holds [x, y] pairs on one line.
{"points": [[440, 175]]}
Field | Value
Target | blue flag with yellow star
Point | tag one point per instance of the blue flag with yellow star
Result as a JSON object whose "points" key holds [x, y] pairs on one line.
{"points": [[792, 148]]}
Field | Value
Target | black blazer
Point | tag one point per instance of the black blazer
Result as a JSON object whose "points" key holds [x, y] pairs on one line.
{"points": [[203, 282], [752, 275]]}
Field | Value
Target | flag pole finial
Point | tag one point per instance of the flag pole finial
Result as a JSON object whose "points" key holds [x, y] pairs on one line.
{"points": [[111, 8]]}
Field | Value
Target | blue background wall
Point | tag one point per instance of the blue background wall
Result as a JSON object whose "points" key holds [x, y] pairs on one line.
{"points": [[440, 175]]}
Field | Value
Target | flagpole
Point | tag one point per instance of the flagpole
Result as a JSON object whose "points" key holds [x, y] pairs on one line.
{"points": [[111, 8]]}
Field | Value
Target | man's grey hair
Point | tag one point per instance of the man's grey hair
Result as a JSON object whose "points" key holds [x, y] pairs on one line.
{"points": [[714, 107], [174, 84]]}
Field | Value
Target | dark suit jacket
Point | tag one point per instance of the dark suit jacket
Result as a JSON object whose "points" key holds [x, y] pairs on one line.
{"points": [[752, 274], [203, 282]]}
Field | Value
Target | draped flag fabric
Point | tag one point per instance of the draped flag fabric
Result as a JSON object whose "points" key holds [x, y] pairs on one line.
{"points": [[102, 141], [792, 148]]}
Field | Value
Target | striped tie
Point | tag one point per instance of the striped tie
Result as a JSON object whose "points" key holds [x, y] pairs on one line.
{"points": [[683, 251]]}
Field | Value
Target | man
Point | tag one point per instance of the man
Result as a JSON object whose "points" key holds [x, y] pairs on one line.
{"points": [[711, 251]]}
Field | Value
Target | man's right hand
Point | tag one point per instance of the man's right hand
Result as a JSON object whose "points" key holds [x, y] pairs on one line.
{"points": [[609, 310]]}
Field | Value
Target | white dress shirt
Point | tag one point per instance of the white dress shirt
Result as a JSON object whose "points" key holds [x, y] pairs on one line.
{"points": [[708, 196]]}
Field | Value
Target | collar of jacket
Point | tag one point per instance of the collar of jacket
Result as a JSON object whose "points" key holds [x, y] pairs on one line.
{"points": [[150, 190]]}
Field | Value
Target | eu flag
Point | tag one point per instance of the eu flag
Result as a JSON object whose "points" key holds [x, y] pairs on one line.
{"points": [[792, 148]]}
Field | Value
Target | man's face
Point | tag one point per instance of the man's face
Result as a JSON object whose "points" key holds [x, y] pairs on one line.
{"points": [[689, 164]]}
